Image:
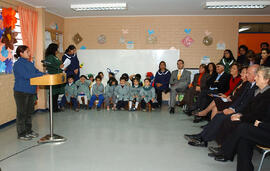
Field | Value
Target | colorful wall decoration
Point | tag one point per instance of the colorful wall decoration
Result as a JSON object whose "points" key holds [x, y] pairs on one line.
{"points": [[8, 39]]}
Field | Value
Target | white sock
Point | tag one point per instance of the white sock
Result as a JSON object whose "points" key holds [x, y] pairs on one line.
{"points": [[130, 104], [136, 105]]}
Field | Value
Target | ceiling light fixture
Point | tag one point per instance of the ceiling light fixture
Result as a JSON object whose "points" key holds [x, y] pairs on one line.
{"points": [[236, 4], [99, 7]]}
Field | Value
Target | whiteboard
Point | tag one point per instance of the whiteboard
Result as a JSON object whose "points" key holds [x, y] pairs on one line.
{"points": [[126, 61]]}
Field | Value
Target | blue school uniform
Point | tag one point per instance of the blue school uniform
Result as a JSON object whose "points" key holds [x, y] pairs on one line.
{"points": [[73, 65]]}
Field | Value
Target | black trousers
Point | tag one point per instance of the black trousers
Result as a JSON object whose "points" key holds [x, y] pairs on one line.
{"points": [[55, 102], [25, 109], [121, 104], [211, 130], [159, 95], [242, 143], [143, 104]]}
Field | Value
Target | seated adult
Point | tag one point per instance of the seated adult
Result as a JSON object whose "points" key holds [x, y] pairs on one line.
{"points": [[198, 84], [234, 82], [161, 81], [220, 85], [179, 82], [242, 59], [265, 58], [254, 128], [211, 130]]}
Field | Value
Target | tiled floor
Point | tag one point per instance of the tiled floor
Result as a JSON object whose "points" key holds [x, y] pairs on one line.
{"points": [[112, 141]]}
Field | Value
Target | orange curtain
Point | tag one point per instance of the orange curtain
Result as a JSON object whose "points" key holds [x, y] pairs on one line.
{"points": [[29, 21]]}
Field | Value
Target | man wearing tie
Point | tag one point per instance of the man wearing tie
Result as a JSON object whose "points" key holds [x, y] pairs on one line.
{"points": [[179, 82]]}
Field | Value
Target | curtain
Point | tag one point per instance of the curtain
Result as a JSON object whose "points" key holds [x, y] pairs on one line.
{"points": [[29, 21]]}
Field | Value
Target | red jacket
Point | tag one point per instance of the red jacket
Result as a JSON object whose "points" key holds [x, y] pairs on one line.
{"points": [[233, 83]]}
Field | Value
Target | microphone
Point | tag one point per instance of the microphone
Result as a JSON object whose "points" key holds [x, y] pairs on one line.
{"points": [[45, 62]]}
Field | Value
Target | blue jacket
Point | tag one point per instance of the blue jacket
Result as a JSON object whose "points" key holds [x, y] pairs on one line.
{"points": [[163, 78], [23, 71], [73, 65]]}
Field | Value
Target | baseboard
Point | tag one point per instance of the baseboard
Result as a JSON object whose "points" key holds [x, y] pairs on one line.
{"points": [[14, 120]]}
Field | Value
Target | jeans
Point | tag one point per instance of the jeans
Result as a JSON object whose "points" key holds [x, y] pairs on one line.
{"points": [[100, 100]]}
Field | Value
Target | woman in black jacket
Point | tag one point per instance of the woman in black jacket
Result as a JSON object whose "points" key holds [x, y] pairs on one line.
{"points": [[254, 128]]}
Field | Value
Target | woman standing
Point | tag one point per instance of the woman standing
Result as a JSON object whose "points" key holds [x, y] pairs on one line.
{"points": [[24, 93], [161, 81], [72, 67], [54, 66], [227, 60]]}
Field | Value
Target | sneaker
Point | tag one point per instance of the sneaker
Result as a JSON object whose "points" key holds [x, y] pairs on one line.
{"points": [[98, 108], [32, 134], [144, 110], [25, 137], [134, 109], [122, 108], [76, 110], [130, 109]]}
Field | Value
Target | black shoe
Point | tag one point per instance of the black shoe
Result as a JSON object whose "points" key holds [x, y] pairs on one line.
{"points": [[221, 158], [89, 108], [192, 137], [198, 143], [211, 154], [98, 108], [172, 111], [188, 112], [203, 126], [215, 150], [197, 119]]}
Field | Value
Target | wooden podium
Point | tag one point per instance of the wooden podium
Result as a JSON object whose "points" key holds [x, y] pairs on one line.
{"points": [[50, 80]]}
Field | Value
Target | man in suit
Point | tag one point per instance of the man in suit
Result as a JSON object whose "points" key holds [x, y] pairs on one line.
{"points": [[220, 85], [210, 131], [198, 84], [179, 82]]}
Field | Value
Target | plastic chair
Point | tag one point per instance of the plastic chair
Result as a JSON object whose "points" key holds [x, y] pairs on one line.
{"points": [[265, 150]]}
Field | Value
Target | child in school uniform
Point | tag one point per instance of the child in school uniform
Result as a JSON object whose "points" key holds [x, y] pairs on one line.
{"points": [[126, 77], [70, 94], [83, 90], [91, 78], [148, 94], [134, 95], [122, 94], [97, 93], [150, 75], [110, 95]]}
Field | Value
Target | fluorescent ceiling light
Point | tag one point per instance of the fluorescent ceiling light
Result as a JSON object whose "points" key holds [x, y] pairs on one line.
{"points": [[99, 7], [236, 4], [245, 28]]}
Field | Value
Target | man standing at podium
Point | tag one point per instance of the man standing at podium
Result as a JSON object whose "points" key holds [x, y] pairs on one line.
{"points": [[24, 93], [54, 66]]}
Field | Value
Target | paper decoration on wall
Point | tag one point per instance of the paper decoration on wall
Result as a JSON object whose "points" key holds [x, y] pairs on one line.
{"points": [[8, 63], [9, 18], [151, 39], [122, 40], [2, 67], [9, 38], [150, 32], [81, 65], [54, 26], [124, 31], [77, 38], [101, 39], [173, 48], [83, 47], [187, 31], [205, 60], [48, 39], [2, 29], [116, 71], [221, 45], [187, 41], [4, 52], [207, 40], [130, 45]]}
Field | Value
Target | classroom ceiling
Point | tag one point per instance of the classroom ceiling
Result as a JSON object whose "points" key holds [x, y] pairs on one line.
{"points": [[143, 7]]}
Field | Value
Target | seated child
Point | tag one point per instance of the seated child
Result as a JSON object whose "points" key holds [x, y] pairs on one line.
{"points": [[70, 94], [126, 77], [150, 75], [91, 78], [138, 76], [97, 93], [110, 96], [83, 90], [122, 94], [148, 94], [134, 95]]}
